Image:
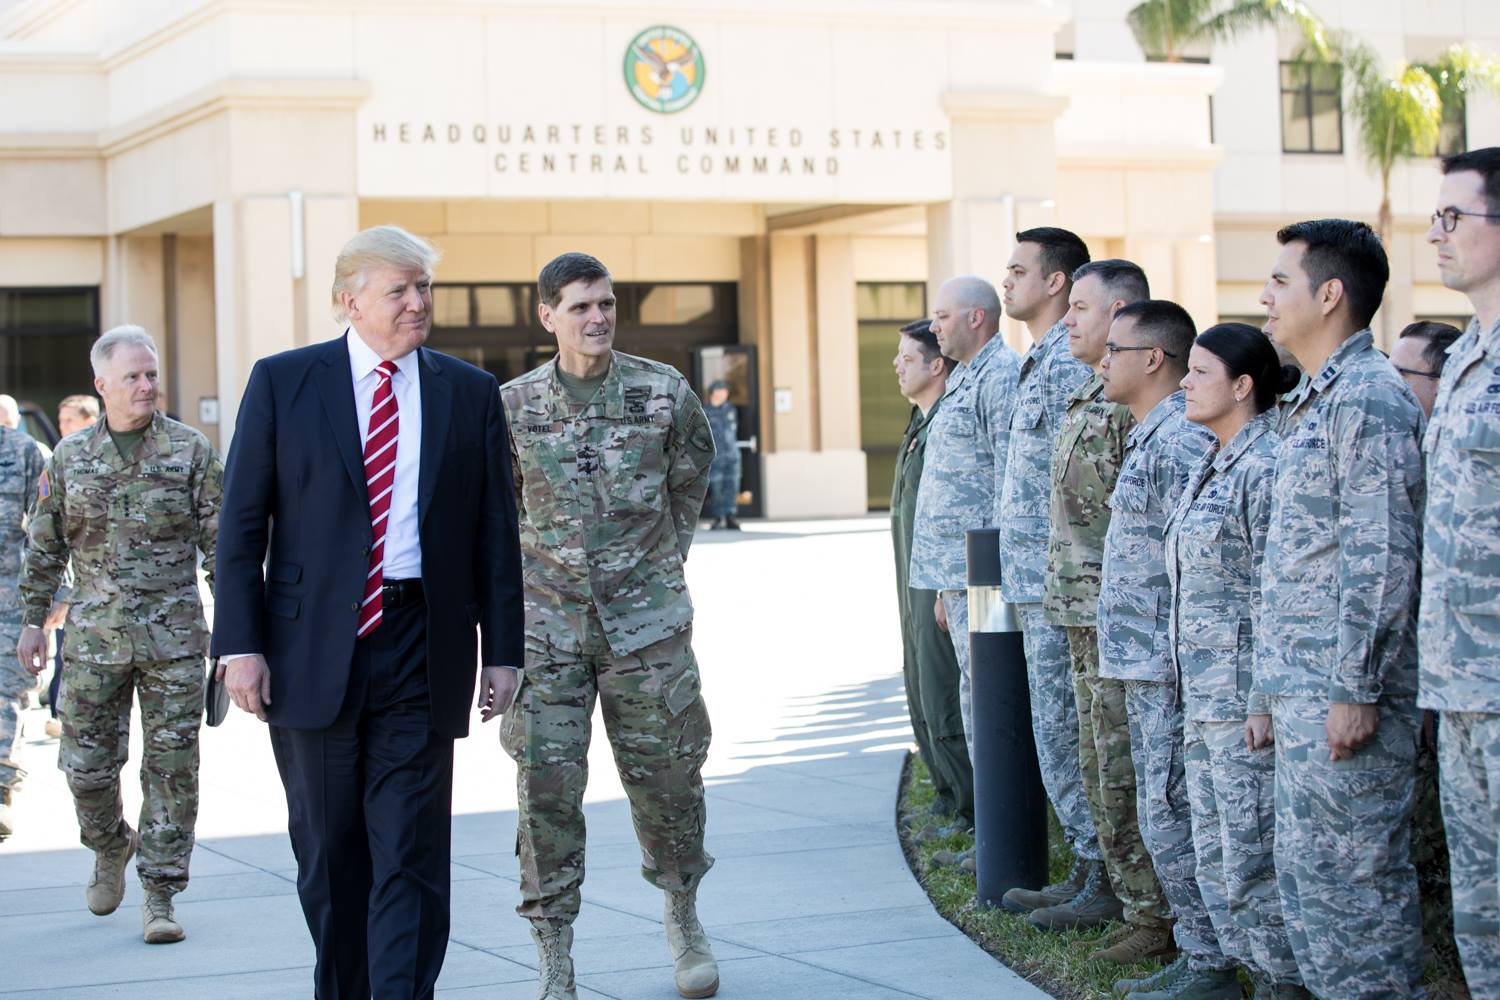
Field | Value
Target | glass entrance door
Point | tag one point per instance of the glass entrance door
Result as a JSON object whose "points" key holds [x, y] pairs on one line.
{"points": [[735, 366]]}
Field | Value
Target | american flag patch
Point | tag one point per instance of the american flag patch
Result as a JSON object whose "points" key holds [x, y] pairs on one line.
{"points": [[43, 486]]}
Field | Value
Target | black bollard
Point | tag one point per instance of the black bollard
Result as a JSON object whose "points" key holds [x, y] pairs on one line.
{"points": [[1010, 804]]}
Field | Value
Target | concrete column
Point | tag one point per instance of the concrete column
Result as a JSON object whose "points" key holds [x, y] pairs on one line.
{"points": [[260, 305], [1004, 180], [816, 469], [197, 351]]}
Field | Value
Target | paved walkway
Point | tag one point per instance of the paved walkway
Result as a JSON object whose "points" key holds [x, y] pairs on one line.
{"points": [[810, 896]]}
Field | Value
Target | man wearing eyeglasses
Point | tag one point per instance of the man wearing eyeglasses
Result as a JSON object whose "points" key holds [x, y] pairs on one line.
{"points": [[1145, 358], [1419, 355], [1459, 625]]}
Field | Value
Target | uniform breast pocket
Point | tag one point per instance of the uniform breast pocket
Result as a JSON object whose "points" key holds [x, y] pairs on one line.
{"points": [[1478, 447], [633, 459], [1026, 417]]}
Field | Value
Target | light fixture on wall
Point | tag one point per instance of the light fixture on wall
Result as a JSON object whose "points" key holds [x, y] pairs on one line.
{"points": [[299, 252]]}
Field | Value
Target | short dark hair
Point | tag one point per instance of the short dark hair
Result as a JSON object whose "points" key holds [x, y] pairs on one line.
{"points": [[1349, 251], [1122, 279], [564, 269], [1439, 337], [1246, 350], [920, 330], [1061, 250], [1484, 162], [1164, 324]]}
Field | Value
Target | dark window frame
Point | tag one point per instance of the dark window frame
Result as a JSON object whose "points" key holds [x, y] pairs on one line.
{"points": [[69, 330], [1308, 92]]}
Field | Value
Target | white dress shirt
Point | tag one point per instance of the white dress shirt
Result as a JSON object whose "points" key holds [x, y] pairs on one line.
{"points": [[403, 549]]}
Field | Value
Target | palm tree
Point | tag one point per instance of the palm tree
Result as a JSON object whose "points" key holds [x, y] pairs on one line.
{"points": [[1165, 29], [1399, 112]]}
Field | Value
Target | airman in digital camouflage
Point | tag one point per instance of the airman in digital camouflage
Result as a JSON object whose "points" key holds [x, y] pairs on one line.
{"points": [[1038, 277], [612, 456], [21, 466], [132, 502], [1459, 628], [965, 464], [1145, 358], [1420, 354], [1215, 544], [1336, 653], [1085, 465]]}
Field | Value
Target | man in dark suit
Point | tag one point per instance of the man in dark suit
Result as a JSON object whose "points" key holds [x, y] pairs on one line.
{"points": [[376, 476]]}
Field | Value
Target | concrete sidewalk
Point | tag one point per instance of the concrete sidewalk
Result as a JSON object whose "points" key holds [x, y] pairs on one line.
{"points": [[810, 896]]}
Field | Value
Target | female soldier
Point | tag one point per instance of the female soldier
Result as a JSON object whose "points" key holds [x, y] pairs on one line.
{"points": [[1215, 540]]}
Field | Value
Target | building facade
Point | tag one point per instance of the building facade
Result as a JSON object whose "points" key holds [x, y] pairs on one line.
{"points": [[775, 185]]}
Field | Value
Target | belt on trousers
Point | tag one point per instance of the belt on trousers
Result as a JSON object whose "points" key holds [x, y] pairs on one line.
{"points": [[400, 593]]}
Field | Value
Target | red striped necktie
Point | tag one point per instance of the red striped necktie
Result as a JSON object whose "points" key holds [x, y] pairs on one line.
{"points": [[380, 478]]}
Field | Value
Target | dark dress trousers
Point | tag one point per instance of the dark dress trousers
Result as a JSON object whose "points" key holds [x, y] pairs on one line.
{"points": [[363, 731]]}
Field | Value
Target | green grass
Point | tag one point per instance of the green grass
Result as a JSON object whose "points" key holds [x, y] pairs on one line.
{"points": [[1057, 962]]}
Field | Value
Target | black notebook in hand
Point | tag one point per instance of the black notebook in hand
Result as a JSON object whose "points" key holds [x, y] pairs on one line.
{"points": [[215, 697]]}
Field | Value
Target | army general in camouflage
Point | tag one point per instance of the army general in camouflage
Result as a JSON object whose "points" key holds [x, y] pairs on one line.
{"points": [[20, 469], [965, 463], [612, 456], [132, 502], [1037, 279], [1145, 358], [1459, 629], [1215, 542], [1085, 465], [1336, 651]]}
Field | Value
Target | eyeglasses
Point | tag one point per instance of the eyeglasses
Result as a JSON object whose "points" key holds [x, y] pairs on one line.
{"points": [[1450, 217], [1418, 374], [1112, 349]]}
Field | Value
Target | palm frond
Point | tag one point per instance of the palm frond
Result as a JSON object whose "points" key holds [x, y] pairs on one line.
{"points": [[1398, 116], [1248, 15]]}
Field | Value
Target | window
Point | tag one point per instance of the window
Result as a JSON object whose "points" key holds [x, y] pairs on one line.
{"points": [[45, 336], [1312, 114], [495, 325], [1453, 134], [882, 310]]}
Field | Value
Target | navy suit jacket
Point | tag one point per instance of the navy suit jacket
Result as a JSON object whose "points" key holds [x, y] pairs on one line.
{"points": [[294, 533]]}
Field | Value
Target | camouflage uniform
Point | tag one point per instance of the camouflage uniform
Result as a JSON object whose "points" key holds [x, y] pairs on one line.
{"points": [[929, 665], [133, 526], [21, 466], [1048, 375], [1215, 541], [1134, 610], [610, 492], [1338, 625], [961, 479], [1085, 463], [724, 474], [1460, 636]]}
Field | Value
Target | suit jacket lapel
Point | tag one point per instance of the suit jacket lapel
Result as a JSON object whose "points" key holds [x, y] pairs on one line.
{"points": [[336, 389], [437, 407]]}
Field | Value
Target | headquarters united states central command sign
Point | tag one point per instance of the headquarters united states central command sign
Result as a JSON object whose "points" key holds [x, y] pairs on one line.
{"points": [[664, 69]]}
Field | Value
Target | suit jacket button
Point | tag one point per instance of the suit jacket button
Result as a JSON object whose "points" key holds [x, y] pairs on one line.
{"points": [[367, 550], [353, 605]]}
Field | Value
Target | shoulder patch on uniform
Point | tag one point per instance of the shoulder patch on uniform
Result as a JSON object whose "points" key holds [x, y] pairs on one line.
{"points": [[43, 486]]}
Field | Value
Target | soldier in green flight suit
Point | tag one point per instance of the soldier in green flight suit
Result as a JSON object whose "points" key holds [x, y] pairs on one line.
{"points": [[929, 664]]}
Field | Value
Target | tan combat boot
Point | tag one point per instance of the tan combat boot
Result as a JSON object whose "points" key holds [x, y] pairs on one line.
{"points": [[158, 923], [693, 959], [1025, 900], [107, 885], [1095, 904], [1140, 945], [7, 824], [554, 960]]}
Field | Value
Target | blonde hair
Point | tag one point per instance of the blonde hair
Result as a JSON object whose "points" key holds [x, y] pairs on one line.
{"points": [[380, 246], [128, 335]]}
